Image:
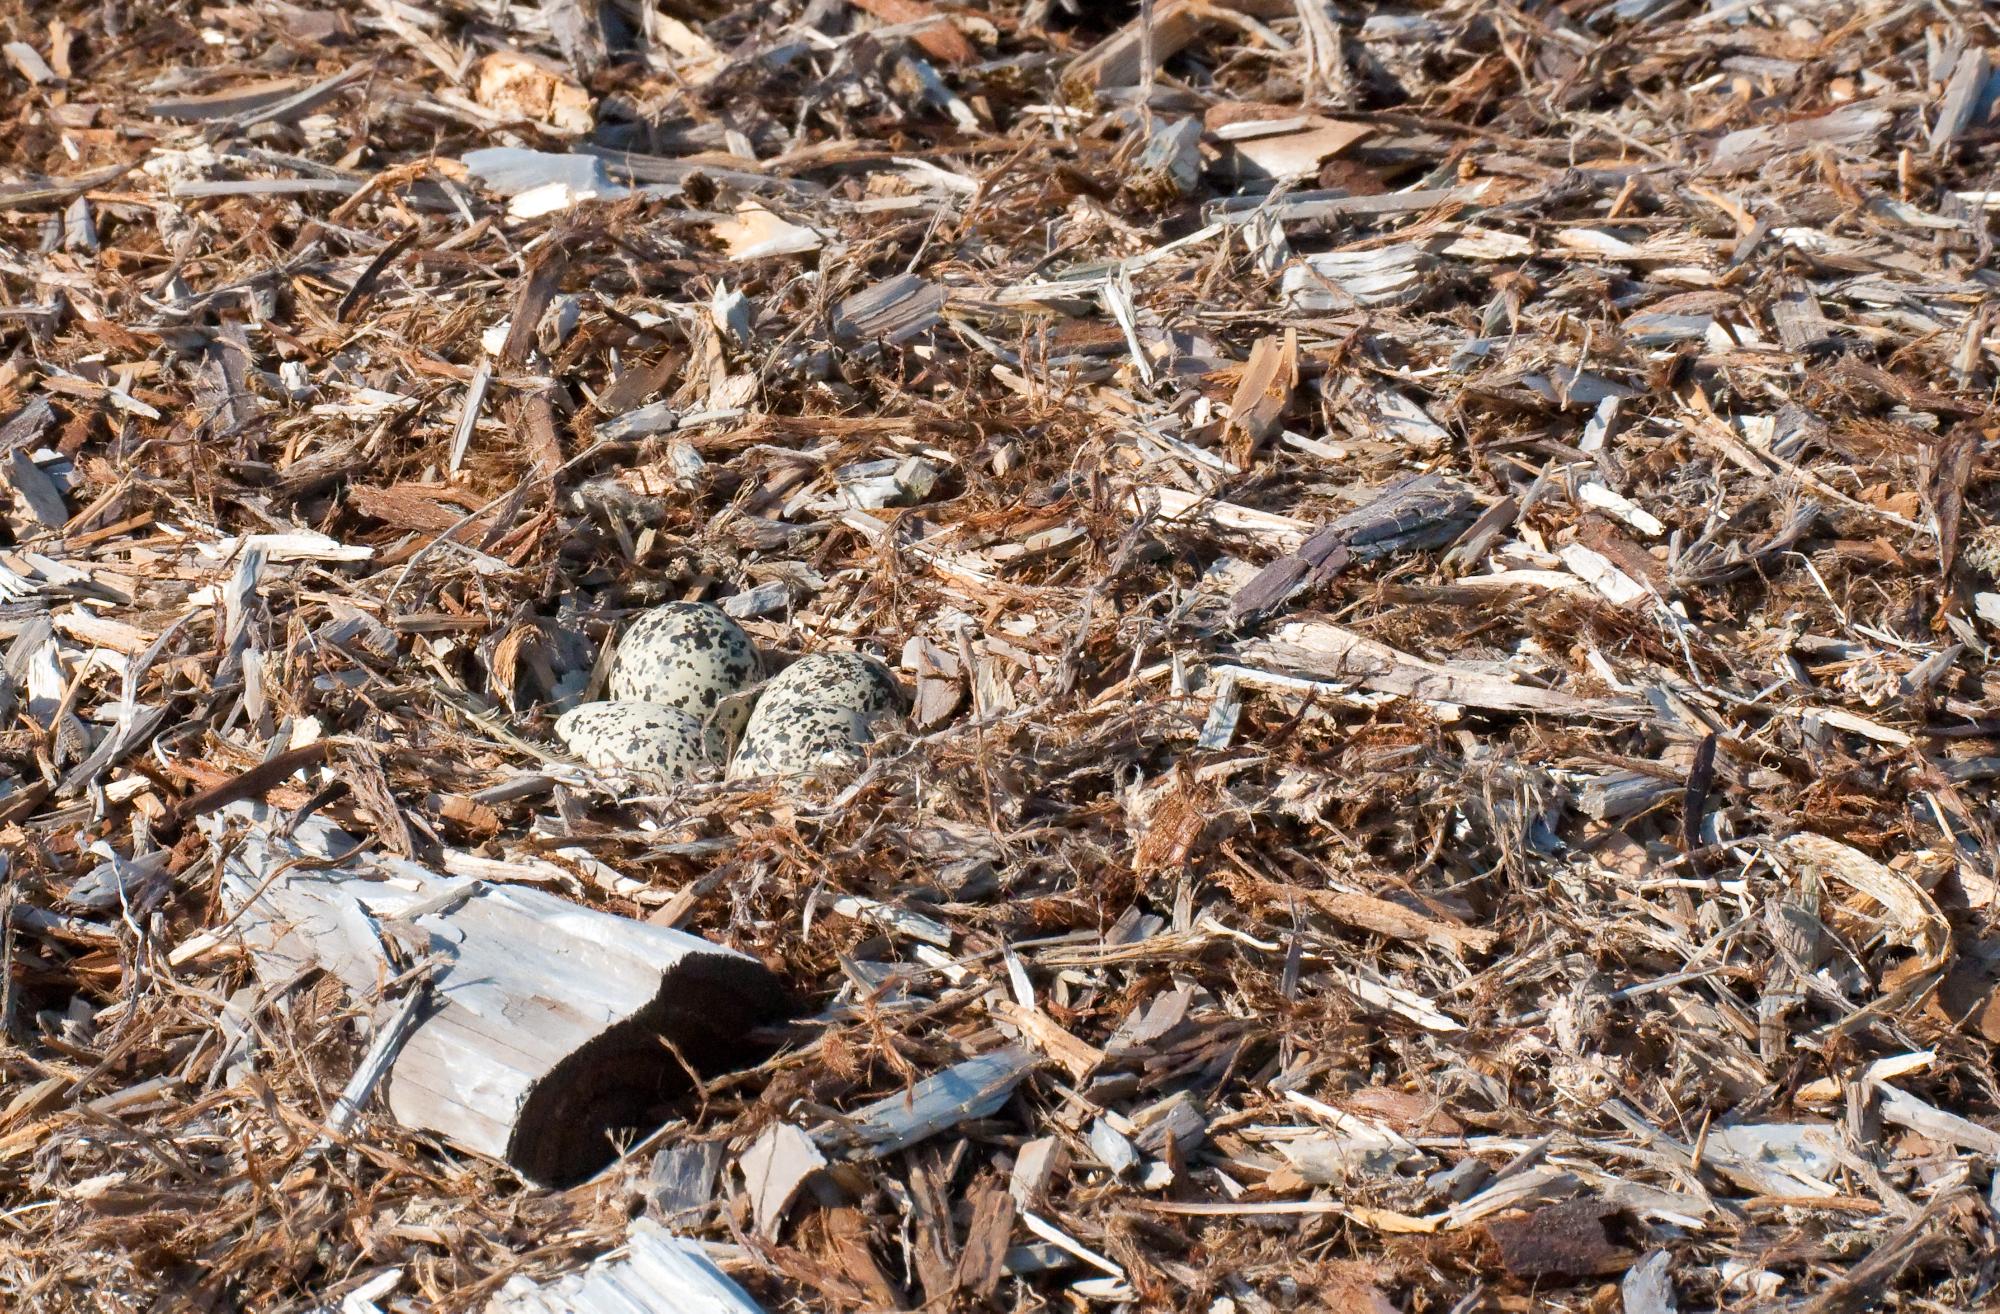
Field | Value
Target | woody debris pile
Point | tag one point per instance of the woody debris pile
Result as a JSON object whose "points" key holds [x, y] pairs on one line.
{"points": [[1345, 655]]}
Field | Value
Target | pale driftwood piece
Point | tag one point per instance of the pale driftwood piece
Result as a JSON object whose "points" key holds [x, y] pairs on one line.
{"points": [[1342, 280], [891, 311], [1322, 648], [552, 1022], [972, 1089], [1647, 1289], [29, 63], [657, 1272], [774, 1168], [683, 1178], [1935, 1124]]}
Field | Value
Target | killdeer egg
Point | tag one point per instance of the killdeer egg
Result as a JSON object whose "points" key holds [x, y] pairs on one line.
{"points": [[817, 711], [689, 656], [644, 740]]}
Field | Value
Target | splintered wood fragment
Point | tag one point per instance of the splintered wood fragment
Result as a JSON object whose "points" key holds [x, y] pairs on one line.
{"points": [[37, 491], [1295, 151], [1912, 916], [891, 311], [774, 1168], [1646, 1287], [1119, 59], [1801, 326], [1934, 1124], [938, 37], [1410, 514], [1962, 97], [1038, 1161], [1263, 391], [1593, 494], [1598, 571], [654, 1272], [1047, 1035], [975, 1088], [1748, 149], [1325, 650], [754, 233], [1342, 280], [1827, 1089], [1380, 916], [552, 1025], [1395, 999], [29, 63], [682, 1180]]}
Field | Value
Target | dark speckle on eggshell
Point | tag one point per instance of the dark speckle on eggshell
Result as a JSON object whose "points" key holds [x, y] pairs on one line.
{"points": [[644, 739], [821, 707], [686, 655]]}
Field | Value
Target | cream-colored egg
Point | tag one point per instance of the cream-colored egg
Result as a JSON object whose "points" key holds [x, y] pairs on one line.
{"points": [[688, 656], [647, 741], [817, 712]]}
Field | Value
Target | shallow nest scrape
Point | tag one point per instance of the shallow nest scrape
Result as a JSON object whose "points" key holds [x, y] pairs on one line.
{"points": [[1445, 558]]}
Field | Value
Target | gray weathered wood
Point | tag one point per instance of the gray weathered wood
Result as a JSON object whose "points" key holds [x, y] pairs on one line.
{"points": [[1322, 649], [972, 1089], [1410, 514], [656, 1273], [1647, 1289], [546, 1035]]}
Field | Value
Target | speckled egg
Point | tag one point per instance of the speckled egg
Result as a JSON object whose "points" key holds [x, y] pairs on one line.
{"points": [[819, 710], [690, 656], [647, 740]]}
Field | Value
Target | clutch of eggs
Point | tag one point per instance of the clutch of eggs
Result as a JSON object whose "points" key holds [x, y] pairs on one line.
{"points": [[680, 682]]}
